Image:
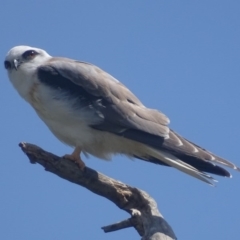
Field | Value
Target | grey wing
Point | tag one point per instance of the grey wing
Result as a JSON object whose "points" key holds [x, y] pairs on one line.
{"points": [[121, 111]]}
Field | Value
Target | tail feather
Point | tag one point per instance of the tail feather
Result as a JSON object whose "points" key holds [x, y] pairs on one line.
{"points": [[173, 161], [205, 154]]}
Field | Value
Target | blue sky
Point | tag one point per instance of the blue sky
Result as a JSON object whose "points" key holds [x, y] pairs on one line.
{"points": [[181, 57]]}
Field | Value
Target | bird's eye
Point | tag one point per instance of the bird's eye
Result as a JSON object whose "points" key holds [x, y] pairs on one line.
{"points": [[30, 54], [7, 64]]}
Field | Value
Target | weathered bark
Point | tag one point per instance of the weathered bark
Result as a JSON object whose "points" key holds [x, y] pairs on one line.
{"points": [[145, 217]]}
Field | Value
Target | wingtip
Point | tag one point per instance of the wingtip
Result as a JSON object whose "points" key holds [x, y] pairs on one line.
{"points": [[236, 168]]}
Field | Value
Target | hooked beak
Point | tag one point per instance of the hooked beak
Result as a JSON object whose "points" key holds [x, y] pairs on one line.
{"points": [[16, 63]]}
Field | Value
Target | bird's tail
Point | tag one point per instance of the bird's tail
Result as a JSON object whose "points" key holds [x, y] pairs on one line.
{"points": [[175, 162]]}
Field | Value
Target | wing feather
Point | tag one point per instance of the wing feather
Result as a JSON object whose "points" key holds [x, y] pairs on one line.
{"points": [[117, 104]]}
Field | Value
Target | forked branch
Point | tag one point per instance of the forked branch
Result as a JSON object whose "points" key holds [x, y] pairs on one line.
{"points": [[145, 217]]}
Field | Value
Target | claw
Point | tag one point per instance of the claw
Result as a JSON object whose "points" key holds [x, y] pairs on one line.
{"points": [[75, 157]]}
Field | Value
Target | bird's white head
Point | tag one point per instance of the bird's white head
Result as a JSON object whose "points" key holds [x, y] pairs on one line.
{"points": [[21, 63]]}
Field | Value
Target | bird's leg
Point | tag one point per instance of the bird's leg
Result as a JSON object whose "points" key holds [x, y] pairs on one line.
{"points": [[75, 156]]}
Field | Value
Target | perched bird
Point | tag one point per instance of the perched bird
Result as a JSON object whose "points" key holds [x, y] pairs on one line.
{"points": [[93, 112]]}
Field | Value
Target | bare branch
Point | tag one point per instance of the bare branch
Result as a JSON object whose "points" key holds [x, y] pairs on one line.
{"points": [[145, 217], [118, 226]]}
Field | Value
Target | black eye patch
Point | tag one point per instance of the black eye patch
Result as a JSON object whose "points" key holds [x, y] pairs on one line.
{"points": [[7, 64], [30, 54]]}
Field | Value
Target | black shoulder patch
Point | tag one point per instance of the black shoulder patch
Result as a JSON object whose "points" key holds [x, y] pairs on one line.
{"points": [[49, 76]]}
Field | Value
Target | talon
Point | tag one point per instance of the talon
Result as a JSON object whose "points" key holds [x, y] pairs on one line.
{"points": [[75, 157]]}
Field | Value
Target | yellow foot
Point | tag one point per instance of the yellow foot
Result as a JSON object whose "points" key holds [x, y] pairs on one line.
{"points": [[75, 157]]}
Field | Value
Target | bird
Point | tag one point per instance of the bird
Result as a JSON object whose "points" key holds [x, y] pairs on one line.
{"points": [[91, 111]]}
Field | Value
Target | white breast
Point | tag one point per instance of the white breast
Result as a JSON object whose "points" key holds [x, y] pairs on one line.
{"points": [[56, 110]]}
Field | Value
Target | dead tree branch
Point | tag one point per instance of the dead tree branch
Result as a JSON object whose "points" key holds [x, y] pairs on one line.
{"points": [[145, 217]]}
